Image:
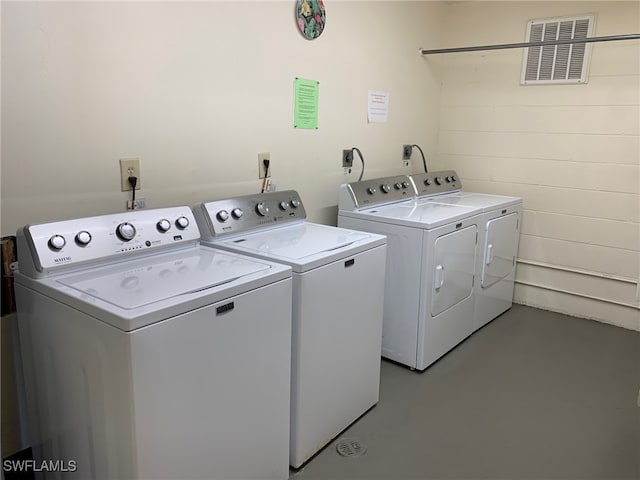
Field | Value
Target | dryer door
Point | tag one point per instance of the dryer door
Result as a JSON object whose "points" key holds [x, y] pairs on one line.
{"points": [[500, 249], [453, 268]]}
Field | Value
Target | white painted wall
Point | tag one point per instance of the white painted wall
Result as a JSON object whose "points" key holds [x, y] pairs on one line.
{"points": [[196, 90], [571, 151]]}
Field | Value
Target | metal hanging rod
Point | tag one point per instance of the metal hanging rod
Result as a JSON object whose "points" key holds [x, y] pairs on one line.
{"points": [[504, 46]]}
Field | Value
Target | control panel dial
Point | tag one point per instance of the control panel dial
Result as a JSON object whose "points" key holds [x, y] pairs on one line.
{"points": [[56, 242], [427, 181], [371, 190], [182, 223], [405, 185], [397, 185], [83, 238], [283, 205], [126, 231], [385, 187], [295, 203], [223, 215], [262, 209], [438, 180], [163, 225], [237, 213]]}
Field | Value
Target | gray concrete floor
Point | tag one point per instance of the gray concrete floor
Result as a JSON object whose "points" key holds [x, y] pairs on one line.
{"points": [[532, 395]]}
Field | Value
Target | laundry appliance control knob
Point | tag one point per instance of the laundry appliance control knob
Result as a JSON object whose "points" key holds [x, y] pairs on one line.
{"points": [[405, 185], [126, 231], [163, 225], [295, 203], [371, 190], [223, 215], [397, 185], [182, 223], [427, 181], [56, 242], [262, 209], [283, 205], [83, 238], [237, 213], [385, 187]]}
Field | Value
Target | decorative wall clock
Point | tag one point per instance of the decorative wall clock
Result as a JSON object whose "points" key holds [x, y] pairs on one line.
{"points": [[310, 15]]}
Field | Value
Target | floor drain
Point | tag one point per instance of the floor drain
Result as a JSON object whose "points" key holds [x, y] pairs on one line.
{"points": [[348, 447]]}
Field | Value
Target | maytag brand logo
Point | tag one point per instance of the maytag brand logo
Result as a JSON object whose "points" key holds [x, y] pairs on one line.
{"points": [[62, 259]]}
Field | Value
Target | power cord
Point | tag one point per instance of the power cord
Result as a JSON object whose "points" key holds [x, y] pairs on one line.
{"points": [[357, 150], [265, 181], [133, 181], [424, 160]]}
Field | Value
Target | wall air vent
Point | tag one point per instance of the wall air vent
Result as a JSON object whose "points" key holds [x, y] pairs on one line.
{"points": [[557, 63]]}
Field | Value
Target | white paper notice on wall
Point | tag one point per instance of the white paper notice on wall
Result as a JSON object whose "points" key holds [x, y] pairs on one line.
{"points": [[377, 106]]}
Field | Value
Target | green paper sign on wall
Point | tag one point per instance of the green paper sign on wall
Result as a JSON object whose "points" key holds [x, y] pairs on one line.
{"points": [[310, 15]]}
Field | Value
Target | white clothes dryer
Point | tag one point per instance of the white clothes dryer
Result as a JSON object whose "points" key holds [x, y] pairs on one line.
{"points": [[338, 285], [497, 243], [148, 355], [431, 258]]}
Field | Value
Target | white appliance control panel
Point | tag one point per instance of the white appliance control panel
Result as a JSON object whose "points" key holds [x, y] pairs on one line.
{"points": [[430, 183], [248, 212], [380, 190], [50, 246]]}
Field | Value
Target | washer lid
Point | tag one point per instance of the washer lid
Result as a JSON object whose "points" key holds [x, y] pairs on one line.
{"points": [[423, 214], [139, 283], [304, 245]]}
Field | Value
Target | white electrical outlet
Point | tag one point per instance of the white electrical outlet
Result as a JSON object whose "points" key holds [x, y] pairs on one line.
{"points": [[261, 167], [129, 167], [140, 203]]}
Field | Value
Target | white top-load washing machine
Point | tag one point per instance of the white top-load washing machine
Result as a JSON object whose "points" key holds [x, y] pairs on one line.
{"points": [[148, 355], [497, 243], [338, 284], [431, 258]]}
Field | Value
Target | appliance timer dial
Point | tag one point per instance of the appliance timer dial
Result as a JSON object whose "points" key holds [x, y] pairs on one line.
{"points": [[262, 209], [126, 231]]}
